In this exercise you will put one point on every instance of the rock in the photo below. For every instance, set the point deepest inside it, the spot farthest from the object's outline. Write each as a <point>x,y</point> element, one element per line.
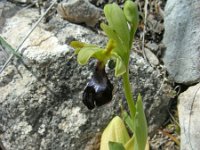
<point>153,60</point>
<point>154,25</point>
<point>41,106</point>
<point>152,46</point>
<point>3,56</point>
<point>189,109</point>
<point>67,32</point>
<point>2,19</point>
<point>7,10</point>
<point>182,35</point>
<point>79,11</point>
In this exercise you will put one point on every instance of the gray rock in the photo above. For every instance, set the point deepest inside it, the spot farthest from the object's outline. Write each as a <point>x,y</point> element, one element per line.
<point>153,60</point>
<point>152,46</point>
<point>79,11</point>
<point>2,19</point>
<point>189,109</point>
<point>182,35</point>
<point>3,56</point>
<point>40,103</point>
<point>7,10</point>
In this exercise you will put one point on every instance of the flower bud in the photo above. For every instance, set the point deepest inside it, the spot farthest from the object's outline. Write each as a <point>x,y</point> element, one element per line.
<point>99,88</point>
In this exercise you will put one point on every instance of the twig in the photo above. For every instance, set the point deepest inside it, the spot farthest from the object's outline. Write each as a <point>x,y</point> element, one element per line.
<point>173,118</point>
<point>171,137</point>
<point>144,29</point>
<point>36,24</point>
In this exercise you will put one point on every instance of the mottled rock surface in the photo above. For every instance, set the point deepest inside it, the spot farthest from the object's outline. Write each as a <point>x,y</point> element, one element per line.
<point>40,103</point>
<point>189,110</point>
<point>182,35</point>
<point>7,10</point>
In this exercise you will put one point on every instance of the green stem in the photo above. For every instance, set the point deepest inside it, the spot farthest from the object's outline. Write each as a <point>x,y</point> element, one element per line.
<point>126,82</point>
<point>128,93</point>
<point>132,33</point>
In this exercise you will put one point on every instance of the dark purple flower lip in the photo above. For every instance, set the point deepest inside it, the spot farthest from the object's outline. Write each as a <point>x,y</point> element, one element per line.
<point>98,90</point>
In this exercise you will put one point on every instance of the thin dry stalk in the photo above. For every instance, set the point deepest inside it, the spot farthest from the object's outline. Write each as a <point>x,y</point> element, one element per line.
<point>144,29</point>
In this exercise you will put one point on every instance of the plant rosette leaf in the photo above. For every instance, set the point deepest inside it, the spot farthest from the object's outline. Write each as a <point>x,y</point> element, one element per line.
<point>114,132</point>
<point>127,119</point>
<point>116,146</point>
<point>130,144</point>
<point>140,126</point>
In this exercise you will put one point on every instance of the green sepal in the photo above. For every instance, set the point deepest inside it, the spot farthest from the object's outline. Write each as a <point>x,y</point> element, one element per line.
<point>117,21</point>
<point>140,126</point>
<point>116,146</point>
<point>131,13</point>
<point>120,47</point>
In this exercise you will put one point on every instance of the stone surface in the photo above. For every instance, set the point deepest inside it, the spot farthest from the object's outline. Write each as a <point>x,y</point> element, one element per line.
<point>7,10</point>
<point>182,35</point>
<point>189,110</point>
<point>3,56</point>
<point>153,60</point>
<point>152,46</point>
<point>2,19</point>
<point>40,103</point>
<point>79,11</point>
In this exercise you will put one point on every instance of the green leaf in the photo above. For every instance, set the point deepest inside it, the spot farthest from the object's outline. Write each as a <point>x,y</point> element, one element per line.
<point>116,146</point>
<point>8,47</point>
<point>140,126</point>
<point>115,132</point>
<point>127,119</point>
<point>117,22</point>
<point>131,13</point>
<point>87,52</point>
